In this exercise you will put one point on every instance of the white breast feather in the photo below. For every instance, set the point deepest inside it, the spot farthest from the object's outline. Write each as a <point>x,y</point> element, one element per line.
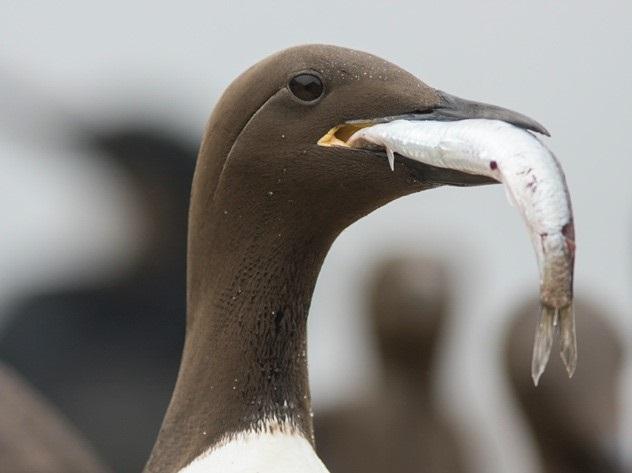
<point>270,451</point>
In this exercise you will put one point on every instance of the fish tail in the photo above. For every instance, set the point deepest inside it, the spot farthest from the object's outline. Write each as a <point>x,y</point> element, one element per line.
<point>543,341</point>
<point>568,340</point>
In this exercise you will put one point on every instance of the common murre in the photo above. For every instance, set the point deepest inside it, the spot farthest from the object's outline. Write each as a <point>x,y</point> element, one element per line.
<point>267,203</point>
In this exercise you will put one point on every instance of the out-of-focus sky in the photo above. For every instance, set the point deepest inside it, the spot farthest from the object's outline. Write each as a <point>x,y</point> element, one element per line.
<point>567,64</point>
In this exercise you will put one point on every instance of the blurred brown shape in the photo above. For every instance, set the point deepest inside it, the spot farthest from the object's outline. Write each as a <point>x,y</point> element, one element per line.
<point>106,352</point>
<point>574,422</point>
<point>34,437</point>
<point>398,427</point>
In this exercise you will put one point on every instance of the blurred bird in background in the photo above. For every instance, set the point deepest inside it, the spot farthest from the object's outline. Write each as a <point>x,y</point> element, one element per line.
<point>34,437</point>
<point>574,422</point>
<point>106,354</point>
<point>398,426</point>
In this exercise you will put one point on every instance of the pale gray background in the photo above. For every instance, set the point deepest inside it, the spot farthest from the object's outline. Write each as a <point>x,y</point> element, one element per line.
<point>566,64</point>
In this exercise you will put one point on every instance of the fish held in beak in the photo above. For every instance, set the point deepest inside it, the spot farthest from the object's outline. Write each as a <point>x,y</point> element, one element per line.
<point>535,184</point>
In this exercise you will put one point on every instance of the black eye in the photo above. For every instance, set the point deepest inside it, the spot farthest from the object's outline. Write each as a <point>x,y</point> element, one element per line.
<point>306,87</point>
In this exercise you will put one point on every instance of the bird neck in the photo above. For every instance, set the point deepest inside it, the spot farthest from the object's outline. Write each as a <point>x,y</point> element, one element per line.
<point>244,366</point>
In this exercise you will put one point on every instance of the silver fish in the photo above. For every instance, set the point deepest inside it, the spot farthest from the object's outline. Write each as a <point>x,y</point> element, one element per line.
<point>534,183</point>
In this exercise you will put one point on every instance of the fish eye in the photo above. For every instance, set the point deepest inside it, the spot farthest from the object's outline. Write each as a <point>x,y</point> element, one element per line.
<point>306,87</point>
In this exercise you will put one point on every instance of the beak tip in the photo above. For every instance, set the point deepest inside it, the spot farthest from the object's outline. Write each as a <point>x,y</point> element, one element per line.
<point>538,128</point>
<point>455,108</point>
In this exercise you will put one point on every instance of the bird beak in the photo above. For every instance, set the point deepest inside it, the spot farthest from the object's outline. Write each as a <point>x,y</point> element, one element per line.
<point>448,108</point>
<point>451,108</point>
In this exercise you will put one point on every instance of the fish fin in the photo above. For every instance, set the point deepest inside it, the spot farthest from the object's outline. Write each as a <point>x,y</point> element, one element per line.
<point>568,339</point>
<point>391,158</point>
<point>543,342</point>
